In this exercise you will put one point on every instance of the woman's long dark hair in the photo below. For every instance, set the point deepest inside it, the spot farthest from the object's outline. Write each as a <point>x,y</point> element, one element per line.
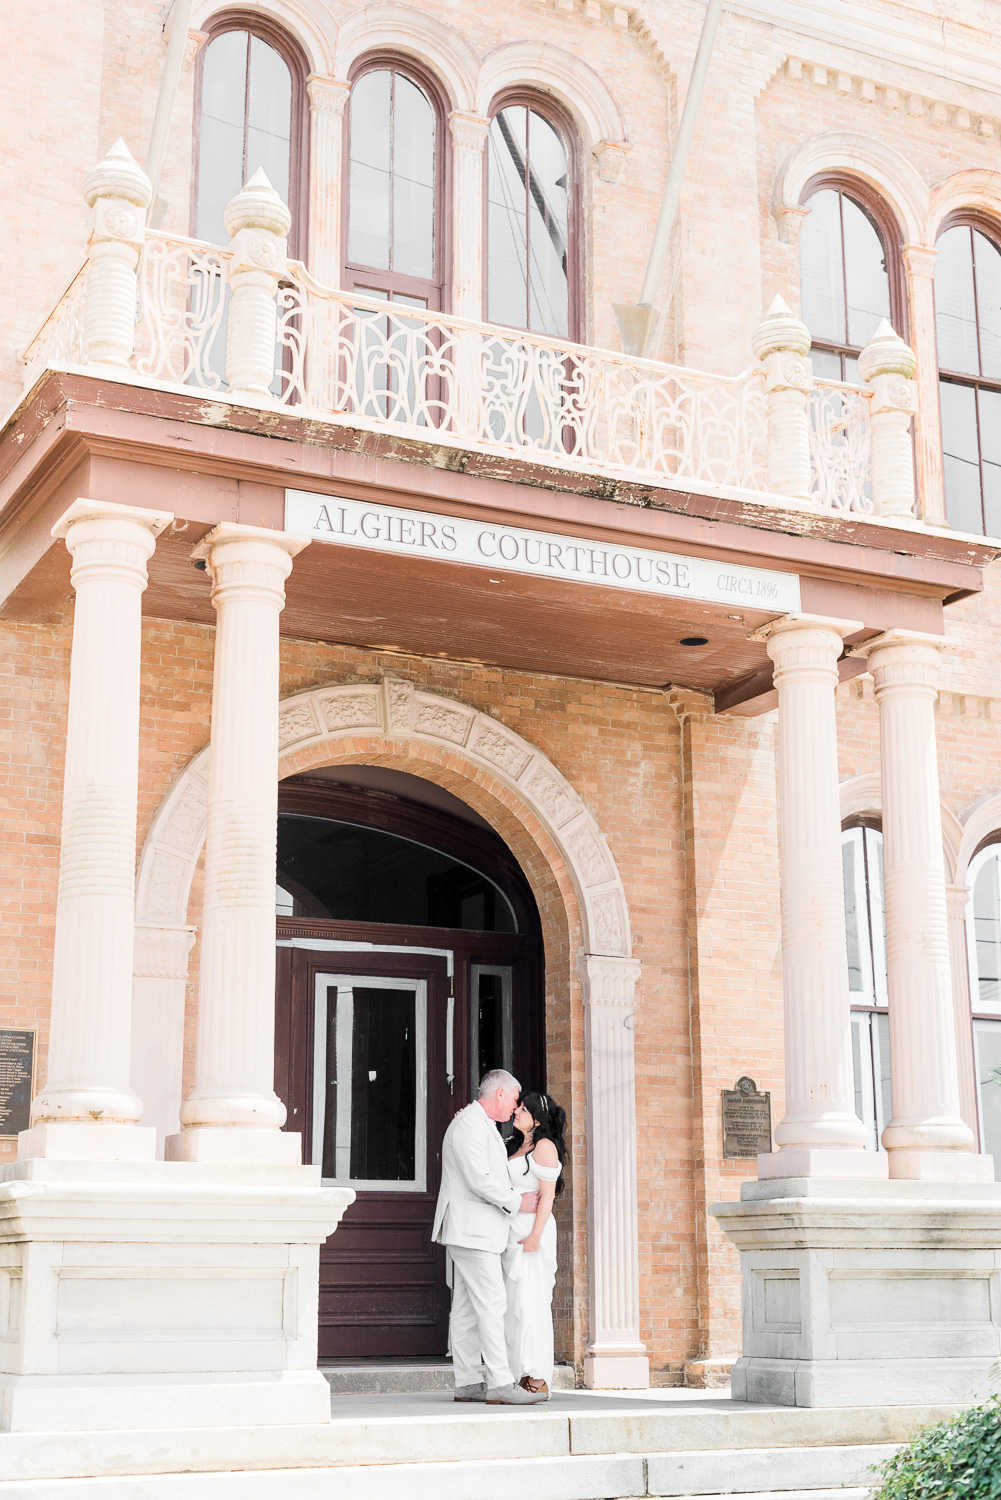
<point>550,1123</point>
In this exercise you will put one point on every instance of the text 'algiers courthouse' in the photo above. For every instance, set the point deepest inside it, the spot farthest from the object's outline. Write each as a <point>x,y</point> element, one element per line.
<point>573,535</point>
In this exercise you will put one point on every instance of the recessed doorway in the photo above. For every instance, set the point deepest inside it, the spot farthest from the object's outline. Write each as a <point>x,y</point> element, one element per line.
<point>409,962</point>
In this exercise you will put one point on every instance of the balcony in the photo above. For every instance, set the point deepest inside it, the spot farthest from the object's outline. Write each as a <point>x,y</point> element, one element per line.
<point>772,435</point>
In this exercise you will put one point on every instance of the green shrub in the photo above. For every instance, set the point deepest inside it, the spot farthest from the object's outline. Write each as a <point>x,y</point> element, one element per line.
<point>955,1460</point>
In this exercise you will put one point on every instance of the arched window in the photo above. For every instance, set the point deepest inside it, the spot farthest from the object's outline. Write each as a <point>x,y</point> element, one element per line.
<point>395,176</point>
<point>862,868</point>
<point>531,279</point>
<point>984,943</point>
<point>249,113</point>
<point>968,329</point>
<point>849,276</point>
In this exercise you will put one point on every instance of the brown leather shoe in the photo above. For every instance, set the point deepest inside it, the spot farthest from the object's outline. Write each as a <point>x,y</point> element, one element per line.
<point>537,1387</point>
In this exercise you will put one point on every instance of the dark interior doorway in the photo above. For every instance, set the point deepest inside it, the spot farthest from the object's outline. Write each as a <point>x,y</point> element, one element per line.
<point>409,961</point>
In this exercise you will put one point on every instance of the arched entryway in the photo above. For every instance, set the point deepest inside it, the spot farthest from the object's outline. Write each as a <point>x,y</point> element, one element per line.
<point>590,975</point>
<point>409,962</point>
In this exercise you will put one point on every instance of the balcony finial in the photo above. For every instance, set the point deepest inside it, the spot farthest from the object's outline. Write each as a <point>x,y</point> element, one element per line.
<point>887,365</point>
<point>258,222</point>
<point>782,343</point>
<point>118,191</point>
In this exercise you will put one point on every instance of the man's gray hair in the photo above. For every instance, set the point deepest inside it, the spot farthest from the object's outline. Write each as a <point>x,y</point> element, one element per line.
<point>497,1078</point>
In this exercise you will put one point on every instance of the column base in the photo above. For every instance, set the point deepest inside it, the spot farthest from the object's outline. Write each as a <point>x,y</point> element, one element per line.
<point>234,1144</point>
<point>866,1292</point>
<point>99,1403</point>
<point>161,1294</point>
<point>87,1140</point>
<point>623,1371</point>
<point>821,1161</point>
<point>918,1165</point>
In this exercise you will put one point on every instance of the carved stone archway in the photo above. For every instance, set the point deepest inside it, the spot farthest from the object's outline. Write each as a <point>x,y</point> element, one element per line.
<point>564,855</point>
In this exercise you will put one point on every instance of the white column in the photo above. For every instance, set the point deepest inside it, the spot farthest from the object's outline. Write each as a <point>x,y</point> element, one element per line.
<point>782,343</point>
<point>327,100</point>
<point>469,139</point>
<point>616,1357</point>
<point>159,988</point>
<point>258,222</point>
<point>233,1113</point>
<point>927,1137</point>
<point>87,1108</point>
<point>887,365</point>
<point>820,1135</point>
<point>119,192</point>
<point>919,263</point>
<point>957,899</point>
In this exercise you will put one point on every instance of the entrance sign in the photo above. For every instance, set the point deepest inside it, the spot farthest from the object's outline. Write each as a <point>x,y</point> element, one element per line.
<point>17,1058</point>
<point>544,554</point>
<point>747,1120</point>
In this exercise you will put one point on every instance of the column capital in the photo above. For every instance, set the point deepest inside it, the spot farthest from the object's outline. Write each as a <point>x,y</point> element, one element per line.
<point>904,659</point>
<point>919,260</point>
<point>248,559</point>
<point>805,643</point>
<point>109,541</point>
<point>610,981</point>
<point>127,516</point>
<point>469,132</point>
<point>327,96</point>
<point>787,625</point>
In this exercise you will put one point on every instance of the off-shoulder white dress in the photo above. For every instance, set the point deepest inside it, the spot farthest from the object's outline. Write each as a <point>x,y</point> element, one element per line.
<point>528,1326</point>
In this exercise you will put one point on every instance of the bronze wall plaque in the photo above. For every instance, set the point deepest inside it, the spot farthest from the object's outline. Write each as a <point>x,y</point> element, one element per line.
<point>17,1065</point>
<point>747,1120</point>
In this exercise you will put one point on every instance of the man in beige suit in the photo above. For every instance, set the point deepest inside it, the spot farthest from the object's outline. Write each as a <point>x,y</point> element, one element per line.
<point>476,1203</point>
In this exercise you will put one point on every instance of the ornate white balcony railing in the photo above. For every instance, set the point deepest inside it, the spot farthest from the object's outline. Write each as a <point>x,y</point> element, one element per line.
<point>245,321</point>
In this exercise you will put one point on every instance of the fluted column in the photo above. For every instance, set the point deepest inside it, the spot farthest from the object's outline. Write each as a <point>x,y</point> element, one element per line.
<point>887,365</point>
<point>328,98</point>
<point>782,343</point>
<point>469,139</point>
<point>919,263</point>
<point>927,1137</point>
<point>233,1113</point>
<point>616,1356</point>
<point>820,1135</point>
<point>957,899</point>
<point>87,1108</point>
<point>119,193</point>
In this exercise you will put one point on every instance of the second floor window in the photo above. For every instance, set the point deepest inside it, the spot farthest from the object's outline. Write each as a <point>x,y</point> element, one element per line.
<point>250,114</point>
<point>394,188</point>
<point>845,281</point>
<point>530,251</point>
<point>968,329</point>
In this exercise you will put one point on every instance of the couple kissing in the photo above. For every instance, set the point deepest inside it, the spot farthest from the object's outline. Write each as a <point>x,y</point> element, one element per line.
<point>495,1219</point>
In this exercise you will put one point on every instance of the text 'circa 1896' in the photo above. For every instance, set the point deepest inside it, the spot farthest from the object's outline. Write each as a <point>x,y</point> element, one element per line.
<point>514,549</point>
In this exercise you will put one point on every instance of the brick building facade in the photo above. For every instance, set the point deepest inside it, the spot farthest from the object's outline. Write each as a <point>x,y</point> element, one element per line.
<point>539,715</point>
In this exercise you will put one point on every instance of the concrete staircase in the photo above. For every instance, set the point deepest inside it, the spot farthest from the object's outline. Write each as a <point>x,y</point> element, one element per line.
<point>580,1446</point>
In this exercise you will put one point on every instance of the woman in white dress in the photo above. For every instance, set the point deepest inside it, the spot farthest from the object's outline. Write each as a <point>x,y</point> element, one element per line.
<point>536,1157</point>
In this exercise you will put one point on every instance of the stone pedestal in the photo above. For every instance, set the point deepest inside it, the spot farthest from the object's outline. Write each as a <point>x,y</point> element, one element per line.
<point>866,1292</point>
<point>160,1295</point>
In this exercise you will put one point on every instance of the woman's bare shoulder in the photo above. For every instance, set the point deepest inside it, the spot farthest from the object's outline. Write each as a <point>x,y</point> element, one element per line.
<point>545,1153</point>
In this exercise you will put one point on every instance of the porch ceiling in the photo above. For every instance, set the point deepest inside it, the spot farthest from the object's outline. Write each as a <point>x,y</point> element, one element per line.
<point>78,435</point>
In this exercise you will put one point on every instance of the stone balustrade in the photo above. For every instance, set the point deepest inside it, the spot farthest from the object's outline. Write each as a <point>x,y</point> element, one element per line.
<point>244,321</point>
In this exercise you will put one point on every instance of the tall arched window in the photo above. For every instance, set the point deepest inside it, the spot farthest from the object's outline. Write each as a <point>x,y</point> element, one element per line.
<point>395,175</point>
<point>984,943</point>
<point>862,868</point>
<point>531,279</point>
<point>249,113</point>
<point>968,329</point>
<point>849,276</point>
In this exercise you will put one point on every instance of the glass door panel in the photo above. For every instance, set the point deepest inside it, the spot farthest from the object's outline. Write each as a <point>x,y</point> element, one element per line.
<point>987,1051</point>
<point>369,1114</point>
<point>490,1019</point>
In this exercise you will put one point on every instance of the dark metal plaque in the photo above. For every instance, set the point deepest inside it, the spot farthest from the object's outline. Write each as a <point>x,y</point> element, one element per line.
<point>17,1064</point>
<point>747,1120</point>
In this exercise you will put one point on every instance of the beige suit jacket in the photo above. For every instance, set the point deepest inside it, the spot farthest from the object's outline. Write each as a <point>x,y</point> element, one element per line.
<point>476,1201</point>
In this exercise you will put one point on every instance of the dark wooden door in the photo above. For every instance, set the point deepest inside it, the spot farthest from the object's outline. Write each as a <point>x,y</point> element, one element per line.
<point>376,1049</point>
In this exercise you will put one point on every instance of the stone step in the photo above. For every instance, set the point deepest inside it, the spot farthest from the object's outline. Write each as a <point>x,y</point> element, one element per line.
<point>400,1377</point>
<point>763,1470</point>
